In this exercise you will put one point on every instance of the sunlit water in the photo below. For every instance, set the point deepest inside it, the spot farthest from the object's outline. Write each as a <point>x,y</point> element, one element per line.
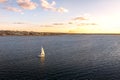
<point>72,57</point>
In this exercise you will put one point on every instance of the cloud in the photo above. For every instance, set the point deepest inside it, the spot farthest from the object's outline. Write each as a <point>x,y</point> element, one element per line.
<point>82,21</point>
<point>3,1</point>
<point>61,9</point>
<point>51,6</point>
<point>53,25</point>
<point>86,24</point>
<point>48,6</point>
<point>30,5</point>
<point>70,22</point>
<point>46,26</point>
<point>13,9</point>
<point>80,18</point>
<point>58,23</point>
<point>19,23</point>
<point>27,4</point>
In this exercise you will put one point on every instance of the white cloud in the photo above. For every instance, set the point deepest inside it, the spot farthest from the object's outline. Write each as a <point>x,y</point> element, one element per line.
<point>13,9</point>
<point>2,1</point>
<point>47,6</point>
<point>30,5</point>
<point>27,4</point>
<point>61,9</point>
<point>51,6</point>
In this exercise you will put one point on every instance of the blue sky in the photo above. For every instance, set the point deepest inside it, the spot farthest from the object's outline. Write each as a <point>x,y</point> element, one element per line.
<point>104,14</point>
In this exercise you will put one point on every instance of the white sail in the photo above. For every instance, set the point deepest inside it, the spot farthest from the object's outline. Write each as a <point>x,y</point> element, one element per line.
<point>42,52</point>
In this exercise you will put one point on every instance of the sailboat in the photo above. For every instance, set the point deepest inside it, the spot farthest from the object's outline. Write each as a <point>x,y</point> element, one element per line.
<point>42,54</point>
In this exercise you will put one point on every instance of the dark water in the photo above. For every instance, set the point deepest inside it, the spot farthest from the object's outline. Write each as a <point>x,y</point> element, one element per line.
<point>77,57</point>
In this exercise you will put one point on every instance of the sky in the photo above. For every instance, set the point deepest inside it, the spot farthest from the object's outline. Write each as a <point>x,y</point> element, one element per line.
<point>70,16</point>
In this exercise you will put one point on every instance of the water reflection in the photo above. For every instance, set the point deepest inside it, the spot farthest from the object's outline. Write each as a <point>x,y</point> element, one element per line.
<point>42,60</point>
<point>42,68</point>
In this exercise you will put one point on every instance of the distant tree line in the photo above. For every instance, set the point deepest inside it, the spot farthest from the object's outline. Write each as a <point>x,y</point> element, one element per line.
<point>27,33</point>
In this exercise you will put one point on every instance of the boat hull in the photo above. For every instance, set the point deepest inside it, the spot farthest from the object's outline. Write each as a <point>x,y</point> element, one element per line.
<point>41,55</point>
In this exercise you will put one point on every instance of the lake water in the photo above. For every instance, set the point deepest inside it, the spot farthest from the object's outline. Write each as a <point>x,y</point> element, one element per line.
<point>68,57</point>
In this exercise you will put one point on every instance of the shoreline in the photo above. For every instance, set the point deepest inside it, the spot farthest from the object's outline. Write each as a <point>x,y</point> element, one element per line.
<point>30,33</point>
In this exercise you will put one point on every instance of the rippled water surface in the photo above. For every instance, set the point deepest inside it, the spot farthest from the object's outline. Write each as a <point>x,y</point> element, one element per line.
<point>72,57</point>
